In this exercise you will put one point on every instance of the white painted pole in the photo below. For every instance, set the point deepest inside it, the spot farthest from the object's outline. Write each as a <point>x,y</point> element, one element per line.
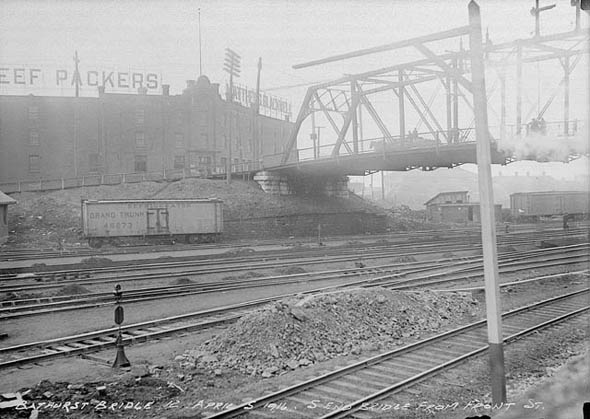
<point>488,230</point>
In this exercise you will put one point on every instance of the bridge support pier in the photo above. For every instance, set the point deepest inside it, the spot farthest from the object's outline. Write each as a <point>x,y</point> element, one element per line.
<point>288,184</point>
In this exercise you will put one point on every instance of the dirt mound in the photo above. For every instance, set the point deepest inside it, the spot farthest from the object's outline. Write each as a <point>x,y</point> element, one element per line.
<point>301,331</point>
<point>52,219</point>
<point>73,289</point>
<point>97,261</point>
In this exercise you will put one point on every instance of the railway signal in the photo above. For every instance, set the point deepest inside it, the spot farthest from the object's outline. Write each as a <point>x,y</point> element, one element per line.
<point>121,360</point>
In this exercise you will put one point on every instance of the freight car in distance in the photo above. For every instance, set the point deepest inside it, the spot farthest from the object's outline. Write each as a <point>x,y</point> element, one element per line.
<point>530,206</point>
<point>191,220</point>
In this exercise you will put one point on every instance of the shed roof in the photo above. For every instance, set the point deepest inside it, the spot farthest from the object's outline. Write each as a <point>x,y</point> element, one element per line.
<point>5,199</point>
<point>442,193</point>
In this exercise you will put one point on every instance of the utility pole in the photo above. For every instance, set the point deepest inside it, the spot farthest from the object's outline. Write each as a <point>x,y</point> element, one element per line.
<point>200,50</point>
<point>255,111</point>
<point>76,80</point>
<point>231,65</point>
<point>536,12</point>
<point>488,228</point>
<point>313,136</point>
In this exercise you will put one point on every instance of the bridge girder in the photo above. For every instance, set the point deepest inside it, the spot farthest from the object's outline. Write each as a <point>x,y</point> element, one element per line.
<point>347,96</point>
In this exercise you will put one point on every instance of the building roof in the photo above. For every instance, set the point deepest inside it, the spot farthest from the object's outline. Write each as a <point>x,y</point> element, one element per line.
<point>442,193</point>
<point>5,199</point>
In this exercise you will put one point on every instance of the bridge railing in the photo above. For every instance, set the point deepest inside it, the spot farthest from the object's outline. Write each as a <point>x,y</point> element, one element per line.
<point>412,140</point>
<point>570,128</point>
<point>425,139</point>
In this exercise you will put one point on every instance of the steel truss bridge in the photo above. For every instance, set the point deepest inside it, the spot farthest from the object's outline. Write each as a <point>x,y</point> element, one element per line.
<point>361,134</point>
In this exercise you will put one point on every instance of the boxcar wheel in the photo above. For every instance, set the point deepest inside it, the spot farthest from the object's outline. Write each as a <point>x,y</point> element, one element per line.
<point>192,239</point>
<point>95,243</point>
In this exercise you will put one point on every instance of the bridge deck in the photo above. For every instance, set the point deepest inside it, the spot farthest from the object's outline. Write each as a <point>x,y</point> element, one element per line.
<point>427,158</point>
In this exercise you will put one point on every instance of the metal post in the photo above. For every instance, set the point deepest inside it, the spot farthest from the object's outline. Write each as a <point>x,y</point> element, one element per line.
<point>402,111</point>
<point>77,80</point>
<point>200,51</point>
<point>382,186</point>
<point>449,108</point>
<point>536,13</point>
<point>355,128</point>
<point>256,140</point>
<point>518,88</point>
<point>455,99</point>
<point>121,360</point>
<point>488,231</point>
<point>578,2</point>
<point>314,136</point>
<point>566,94</point>
<point>502,105</point>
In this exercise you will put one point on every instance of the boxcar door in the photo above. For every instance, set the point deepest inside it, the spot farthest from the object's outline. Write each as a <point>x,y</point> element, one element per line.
<point>157,221</point>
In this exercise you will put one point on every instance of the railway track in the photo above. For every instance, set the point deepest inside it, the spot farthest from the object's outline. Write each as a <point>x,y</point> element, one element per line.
<point>390,275</point>
<point>351,391</point>
<point>442,237</point>
<point>123,272</point>
<point>89,342</point>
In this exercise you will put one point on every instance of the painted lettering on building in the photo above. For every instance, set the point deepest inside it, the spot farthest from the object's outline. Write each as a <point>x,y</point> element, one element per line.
<point>37,77</point>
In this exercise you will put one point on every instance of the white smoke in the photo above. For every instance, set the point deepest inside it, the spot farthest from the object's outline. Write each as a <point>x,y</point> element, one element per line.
<point>546,148</point>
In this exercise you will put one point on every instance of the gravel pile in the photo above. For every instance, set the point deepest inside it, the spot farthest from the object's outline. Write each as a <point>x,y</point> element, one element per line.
<point>301,331</point>
<point>52,219</point>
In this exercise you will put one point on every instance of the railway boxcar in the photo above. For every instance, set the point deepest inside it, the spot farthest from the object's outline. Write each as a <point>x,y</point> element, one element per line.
<point>191,219</point>
<point>546,204</point>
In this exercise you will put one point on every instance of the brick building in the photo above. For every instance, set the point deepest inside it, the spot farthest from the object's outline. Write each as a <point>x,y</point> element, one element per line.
<point>64,137</point>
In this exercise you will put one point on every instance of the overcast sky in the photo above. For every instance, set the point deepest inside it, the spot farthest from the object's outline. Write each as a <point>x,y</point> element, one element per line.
<point>162,36</point>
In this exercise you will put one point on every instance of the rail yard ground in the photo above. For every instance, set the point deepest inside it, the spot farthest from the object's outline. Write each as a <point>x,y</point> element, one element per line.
<point>378,293</point>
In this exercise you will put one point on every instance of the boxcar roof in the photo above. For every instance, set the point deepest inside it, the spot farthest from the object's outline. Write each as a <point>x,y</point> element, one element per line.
<point>549,193</point>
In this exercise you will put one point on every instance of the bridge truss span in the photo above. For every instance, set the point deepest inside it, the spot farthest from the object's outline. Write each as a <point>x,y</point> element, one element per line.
<point>424,107</point>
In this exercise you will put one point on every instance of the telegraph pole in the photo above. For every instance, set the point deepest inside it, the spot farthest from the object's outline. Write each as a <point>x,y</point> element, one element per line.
<point>231,65</point>
<point>488,230</point>
<point>536,12</point>
<point>200,50</point>
<point>76,79</point>
<point>255,111</point>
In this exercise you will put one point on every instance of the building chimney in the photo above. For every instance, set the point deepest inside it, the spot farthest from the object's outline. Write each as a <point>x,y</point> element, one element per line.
<point>142,90</point>
<point>166,89</point>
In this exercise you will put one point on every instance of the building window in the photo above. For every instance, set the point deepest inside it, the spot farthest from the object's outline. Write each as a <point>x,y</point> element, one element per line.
<point>179,162</point>
<point>140,163</point>
<point>179,140</point>
<point>34,138</point>
<point>205,160</point>
<point>93,162</point>
<point>139,116</point>
<point>33,113</point>
<point>34,163</point>
<point>139,139</point>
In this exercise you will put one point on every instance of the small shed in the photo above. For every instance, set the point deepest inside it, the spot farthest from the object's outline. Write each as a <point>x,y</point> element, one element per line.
<point>454,207</point>
<point>5,201</point>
